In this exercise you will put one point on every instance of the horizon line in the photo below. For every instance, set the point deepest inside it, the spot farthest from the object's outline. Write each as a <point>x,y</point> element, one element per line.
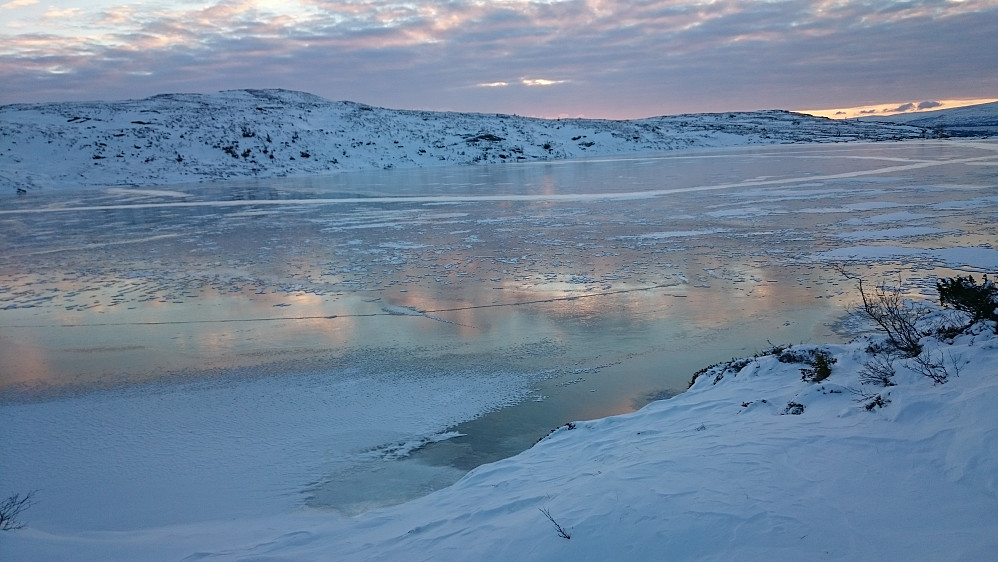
<point>885,109</point>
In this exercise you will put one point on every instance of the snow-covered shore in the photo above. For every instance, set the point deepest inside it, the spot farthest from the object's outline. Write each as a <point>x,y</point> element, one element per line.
<point>751,463</point>
<point>267,133</point>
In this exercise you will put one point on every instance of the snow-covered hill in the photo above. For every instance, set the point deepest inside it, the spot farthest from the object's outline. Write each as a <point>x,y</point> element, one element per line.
<point>266,133</point>
<point>972,120</point>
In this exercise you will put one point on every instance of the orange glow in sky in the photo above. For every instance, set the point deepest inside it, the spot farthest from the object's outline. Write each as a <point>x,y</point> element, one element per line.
<point>886,109</point>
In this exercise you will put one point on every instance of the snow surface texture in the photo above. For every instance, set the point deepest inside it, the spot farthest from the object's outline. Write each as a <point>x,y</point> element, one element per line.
<point>267,133</point>
<point>751,463</point>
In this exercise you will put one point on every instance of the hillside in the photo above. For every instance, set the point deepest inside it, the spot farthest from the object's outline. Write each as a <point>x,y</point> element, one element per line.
<point>972,120</point>
<point>266,133</point>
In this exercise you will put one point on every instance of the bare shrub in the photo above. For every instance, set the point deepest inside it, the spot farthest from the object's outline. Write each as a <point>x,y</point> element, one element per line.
<point>934,369</point>
<point>11,508</point>
<point>870,400</point>
<point>898,318</point>
<point>878,370</point>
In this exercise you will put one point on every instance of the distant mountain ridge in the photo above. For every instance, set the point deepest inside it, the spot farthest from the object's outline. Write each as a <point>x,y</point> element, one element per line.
<point>971,120</point>
<point>173,138</point>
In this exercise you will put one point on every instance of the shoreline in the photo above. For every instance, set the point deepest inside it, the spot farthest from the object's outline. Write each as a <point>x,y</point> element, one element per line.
<point>739,404</point>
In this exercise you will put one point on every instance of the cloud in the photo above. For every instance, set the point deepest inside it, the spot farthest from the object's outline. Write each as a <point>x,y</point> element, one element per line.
<point>18,4</point>
<point>56,14</point>
<point>609,59</point>
<point>541,82</point>
<point>928,105</point>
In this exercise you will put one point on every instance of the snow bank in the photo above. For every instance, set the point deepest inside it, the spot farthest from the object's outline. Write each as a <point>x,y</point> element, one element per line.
<point>751,463</point>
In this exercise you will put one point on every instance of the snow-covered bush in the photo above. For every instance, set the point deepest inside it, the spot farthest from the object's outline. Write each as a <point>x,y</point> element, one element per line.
<point>819,362</point>
<point>718,370</point>
<point>965,295</point>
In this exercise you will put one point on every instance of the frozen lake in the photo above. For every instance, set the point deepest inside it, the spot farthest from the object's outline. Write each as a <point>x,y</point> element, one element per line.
<point>355,340</point>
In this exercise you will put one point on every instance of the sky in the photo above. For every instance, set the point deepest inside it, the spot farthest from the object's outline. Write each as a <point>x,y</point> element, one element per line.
<point>543,58</point>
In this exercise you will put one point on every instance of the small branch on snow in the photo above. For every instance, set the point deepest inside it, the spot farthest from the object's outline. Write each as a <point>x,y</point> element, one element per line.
<point>561,530</point>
